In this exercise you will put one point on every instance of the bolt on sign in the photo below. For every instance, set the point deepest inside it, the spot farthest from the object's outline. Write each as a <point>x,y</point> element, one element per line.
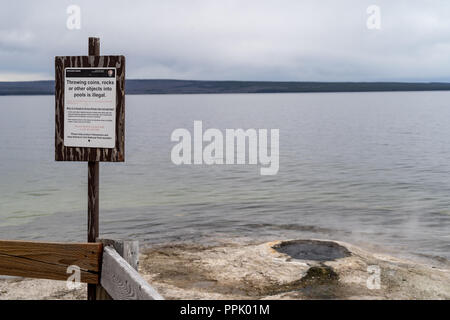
<point>90,108</point>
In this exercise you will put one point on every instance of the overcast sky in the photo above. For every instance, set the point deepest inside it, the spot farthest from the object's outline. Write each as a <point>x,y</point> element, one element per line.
<point>300,40</point>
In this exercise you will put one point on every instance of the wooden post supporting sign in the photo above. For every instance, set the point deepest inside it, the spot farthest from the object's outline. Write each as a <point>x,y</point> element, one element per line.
<point>93,185</point>
<point>90,119</point>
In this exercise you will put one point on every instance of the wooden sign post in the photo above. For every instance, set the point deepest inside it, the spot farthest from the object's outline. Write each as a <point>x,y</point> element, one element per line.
<point>90,119</point>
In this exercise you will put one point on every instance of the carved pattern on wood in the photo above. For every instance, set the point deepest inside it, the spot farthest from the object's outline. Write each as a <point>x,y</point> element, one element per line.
<point>121,281</point>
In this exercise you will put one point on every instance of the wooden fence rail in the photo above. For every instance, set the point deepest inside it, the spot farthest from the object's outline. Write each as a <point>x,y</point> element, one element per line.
<point>121,281</point>
<point>48,260</point>
<point>116,276</point>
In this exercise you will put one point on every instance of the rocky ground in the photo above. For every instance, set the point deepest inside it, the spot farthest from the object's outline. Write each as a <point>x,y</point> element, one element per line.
<point>298,269</point>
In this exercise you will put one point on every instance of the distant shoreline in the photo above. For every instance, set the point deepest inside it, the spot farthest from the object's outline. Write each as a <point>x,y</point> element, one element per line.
<point>134,86</point>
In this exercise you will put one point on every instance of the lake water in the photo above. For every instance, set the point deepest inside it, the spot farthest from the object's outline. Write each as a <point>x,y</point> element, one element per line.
<point>370,168</point>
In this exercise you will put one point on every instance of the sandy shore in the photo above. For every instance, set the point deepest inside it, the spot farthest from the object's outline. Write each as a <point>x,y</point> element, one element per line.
<point>306,269</point>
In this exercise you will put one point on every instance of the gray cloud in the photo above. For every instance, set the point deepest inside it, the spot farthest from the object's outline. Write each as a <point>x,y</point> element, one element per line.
<point>320,40</point>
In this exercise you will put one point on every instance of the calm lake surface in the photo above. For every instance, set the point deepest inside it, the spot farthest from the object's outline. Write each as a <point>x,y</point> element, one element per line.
<point>369,168</point>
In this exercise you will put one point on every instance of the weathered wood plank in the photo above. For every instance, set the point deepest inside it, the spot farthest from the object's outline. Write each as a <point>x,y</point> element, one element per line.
<point>121,281</point>
<point>128,250</point>
<point>47,260</point>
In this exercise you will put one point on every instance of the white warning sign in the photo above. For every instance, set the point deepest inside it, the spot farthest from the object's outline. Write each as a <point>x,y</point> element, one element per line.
<point>90,107</point>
